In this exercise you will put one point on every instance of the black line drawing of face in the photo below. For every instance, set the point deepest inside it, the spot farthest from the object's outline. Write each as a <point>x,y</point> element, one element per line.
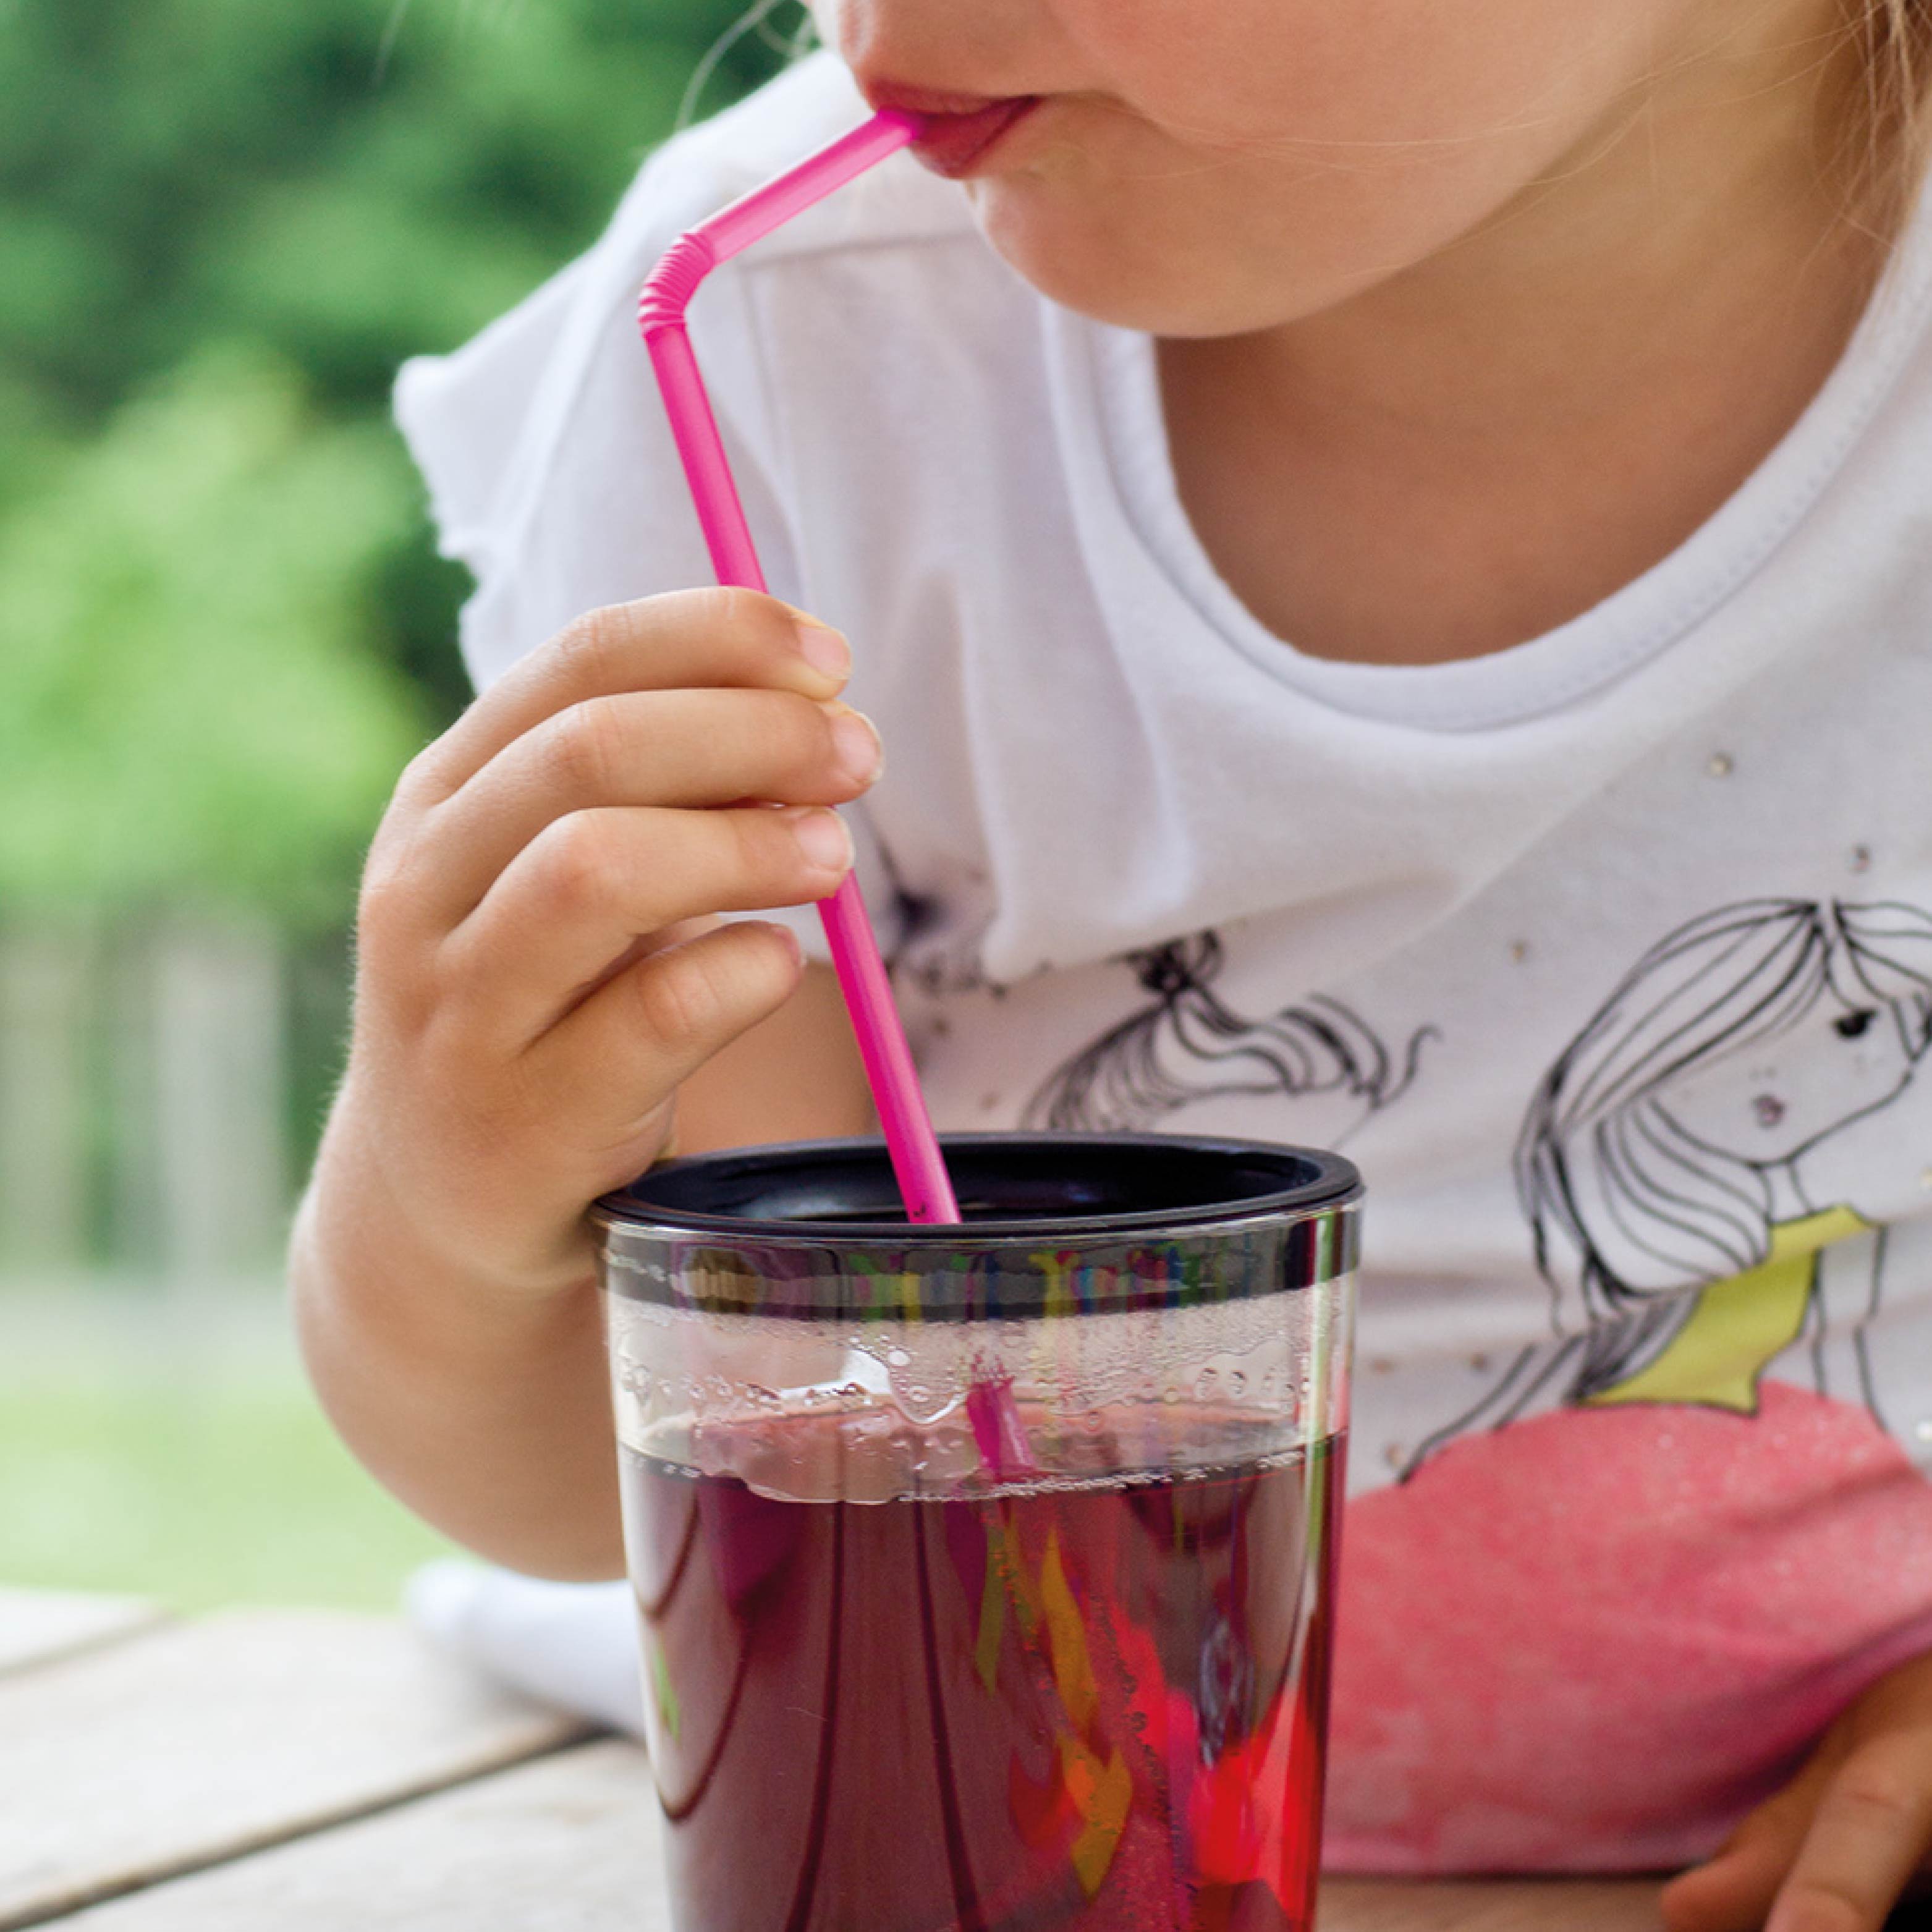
<point>1667,1141</point>
<point>1189,1046</point>
<point>1646,1164</point>
<point>1790,1103</point>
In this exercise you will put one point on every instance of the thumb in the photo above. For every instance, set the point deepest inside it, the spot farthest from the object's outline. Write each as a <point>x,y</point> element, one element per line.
<point>1732,1890</point>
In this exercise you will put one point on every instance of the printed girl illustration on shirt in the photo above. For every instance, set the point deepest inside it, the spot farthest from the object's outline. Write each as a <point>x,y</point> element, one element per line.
<point>1666,1162</point>
<point>1188,1044</point>
<point>1702,1168</point>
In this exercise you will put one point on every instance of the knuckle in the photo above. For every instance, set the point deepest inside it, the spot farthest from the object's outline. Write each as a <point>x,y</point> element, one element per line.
<point>684,998</point>
<point>388,890</point>
<point>378,916</point>
<point>1878,1793</point>
<point>582,748</point>
<point>575,860</point>
<point>592,642</point>
<point>423,778</point>
<point>748,615</point>
<point>381,883</point>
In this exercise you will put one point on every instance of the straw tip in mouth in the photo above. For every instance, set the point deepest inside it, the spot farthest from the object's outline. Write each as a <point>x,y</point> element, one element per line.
<point>955,141</point>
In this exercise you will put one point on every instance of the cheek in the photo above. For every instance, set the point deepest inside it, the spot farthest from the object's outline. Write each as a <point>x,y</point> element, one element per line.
<point>1362,74</point>
<point>1767,1105</point>
<point>1210,167</point>
<point>1248,162</point>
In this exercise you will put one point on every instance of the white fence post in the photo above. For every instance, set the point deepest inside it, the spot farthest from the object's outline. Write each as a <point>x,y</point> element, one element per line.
<point>45,990</point>
<point>219,1086</point>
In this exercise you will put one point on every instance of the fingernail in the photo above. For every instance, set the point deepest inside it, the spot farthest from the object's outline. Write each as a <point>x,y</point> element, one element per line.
<point>822,647</point>
<point>855,743</point>
<point>822,837</point>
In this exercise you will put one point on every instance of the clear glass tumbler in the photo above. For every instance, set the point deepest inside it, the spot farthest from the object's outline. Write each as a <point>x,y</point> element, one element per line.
<point>986,1571</point>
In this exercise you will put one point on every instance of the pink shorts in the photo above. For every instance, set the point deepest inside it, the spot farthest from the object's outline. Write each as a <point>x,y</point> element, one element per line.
<point>1593,1640</point>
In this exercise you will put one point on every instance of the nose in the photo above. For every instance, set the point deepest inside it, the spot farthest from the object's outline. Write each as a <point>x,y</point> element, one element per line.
<point>978,50</point>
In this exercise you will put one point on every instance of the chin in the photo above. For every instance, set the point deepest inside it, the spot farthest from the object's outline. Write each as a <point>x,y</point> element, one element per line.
<point>1128,272</point>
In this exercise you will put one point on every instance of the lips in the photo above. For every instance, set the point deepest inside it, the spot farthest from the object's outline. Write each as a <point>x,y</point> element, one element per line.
<point>961,129</point>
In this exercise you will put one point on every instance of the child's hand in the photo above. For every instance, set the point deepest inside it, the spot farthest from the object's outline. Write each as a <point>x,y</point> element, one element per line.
<point>532,987</point>
<point>1835,1850</point>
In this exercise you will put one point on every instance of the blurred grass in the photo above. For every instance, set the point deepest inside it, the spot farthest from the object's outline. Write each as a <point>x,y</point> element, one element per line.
<point>180,1457</point>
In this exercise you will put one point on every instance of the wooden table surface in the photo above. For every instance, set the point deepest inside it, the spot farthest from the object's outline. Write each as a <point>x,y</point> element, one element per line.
<point>311,1772</point>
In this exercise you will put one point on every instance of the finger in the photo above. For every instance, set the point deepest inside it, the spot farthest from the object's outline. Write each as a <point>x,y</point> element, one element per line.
<point>609,1066</point>
<point>1733,1890</point>
<point>1870,1831</point>
<point>732,638</point>
<point>575,899</point>
<point>683,748</point>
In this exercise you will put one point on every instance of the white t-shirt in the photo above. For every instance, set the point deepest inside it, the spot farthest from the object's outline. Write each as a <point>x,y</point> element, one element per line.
<point>1608,958</point>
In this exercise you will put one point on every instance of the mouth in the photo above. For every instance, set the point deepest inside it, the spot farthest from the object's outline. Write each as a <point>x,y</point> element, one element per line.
<point>960,130</point>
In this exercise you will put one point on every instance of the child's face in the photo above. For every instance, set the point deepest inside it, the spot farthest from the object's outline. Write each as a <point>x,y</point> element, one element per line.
<point>1207,167</point>
<point>1846,1059</point>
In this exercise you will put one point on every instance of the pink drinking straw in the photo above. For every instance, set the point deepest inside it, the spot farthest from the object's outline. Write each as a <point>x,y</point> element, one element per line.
<point>910,1140</point>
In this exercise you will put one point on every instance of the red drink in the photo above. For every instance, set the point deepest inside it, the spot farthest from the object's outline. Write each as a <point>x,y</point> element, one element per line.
<point>1096,1706</point>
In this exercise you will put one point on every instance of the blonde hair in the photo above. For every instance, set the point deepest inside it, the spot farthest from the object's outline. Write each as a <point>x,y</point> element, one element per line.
<point>1887,139</point>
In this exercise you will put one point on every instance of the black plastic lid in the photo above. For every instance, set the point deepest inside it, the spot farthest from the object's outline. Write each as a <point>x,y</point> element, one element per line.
<point>1011,1187</point>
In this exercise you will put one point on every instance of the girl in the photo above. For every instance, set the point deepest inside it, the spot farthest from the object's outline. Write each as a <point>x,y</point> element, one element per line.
<point>1357,519</point>
<point>1681,1221</point>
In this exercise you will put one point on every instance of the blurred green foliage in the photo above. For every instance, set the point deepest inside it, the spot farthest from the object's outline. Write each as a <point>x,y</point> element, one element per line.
<point>222,626</point>
<point>188,701</point>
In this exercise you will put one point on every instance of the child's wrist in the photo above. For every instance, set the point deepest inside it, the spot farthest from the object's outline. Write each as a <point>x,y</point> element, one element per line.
<point>375,1236</point>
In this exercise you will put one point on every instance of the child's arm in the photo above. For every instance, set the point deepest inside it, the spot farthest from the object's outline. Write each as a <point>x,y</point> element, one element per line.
<point>1835,1849</point>
<point>535,983</point>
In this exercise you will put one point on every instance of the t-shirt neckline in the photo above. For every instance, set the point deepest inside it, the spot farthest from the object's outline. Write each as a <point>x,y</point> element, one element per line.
<point>1591,651</point>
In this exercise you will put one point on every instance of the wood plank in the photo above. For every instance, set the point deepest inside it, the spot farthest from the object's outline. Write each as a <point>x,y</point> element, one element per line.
<point>36,1626</point>
<point>200,1741</point>
<point>1499,1905</point>
<point>568,1844</point>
